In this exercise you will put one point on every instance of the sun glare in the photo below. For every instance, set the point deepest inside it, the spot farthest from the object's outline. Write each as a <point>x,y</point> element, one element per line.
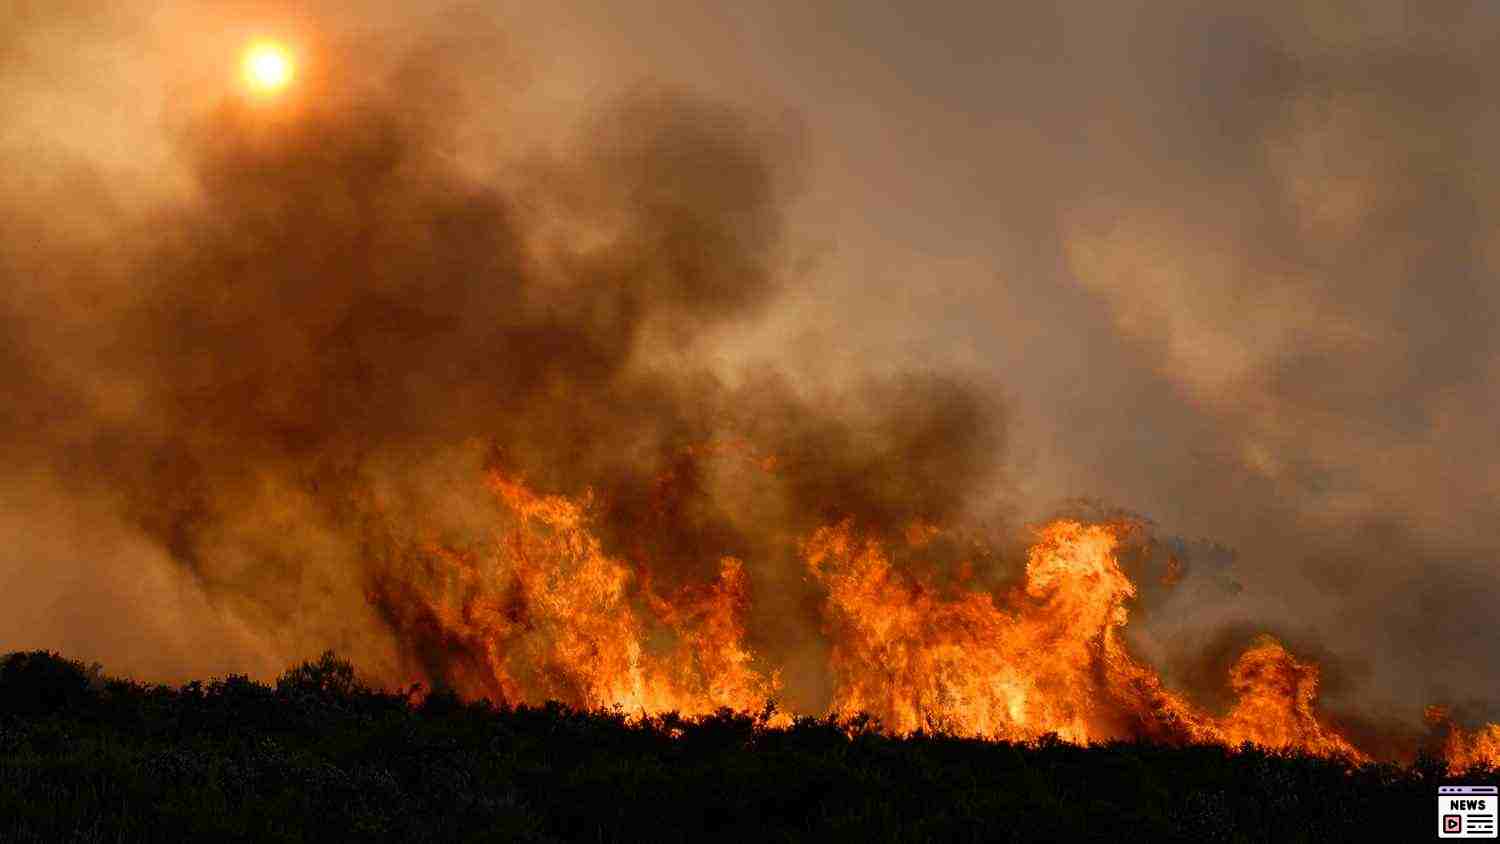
<point>268,67</point>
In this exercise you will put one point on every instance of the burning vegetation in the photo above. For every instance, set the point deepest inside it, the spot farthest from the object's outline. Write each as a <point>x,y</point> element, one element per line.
<point>544,613</point>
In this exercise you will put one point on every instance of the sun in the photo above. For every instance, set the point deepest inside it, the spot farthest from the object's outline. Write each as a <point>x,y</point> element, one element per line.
<point>268,67</point>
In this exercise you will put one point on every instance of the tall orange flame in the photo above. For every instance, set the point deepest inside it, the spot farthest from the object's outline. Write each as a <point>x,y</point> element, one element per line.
<point>1053,661</point>
<point>554,617</point>
<point>543,612</point>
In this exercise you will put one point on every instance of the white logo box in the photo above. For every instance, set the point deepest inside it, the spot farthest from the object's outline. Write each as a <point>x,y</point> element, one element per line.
<point>1467,811</point>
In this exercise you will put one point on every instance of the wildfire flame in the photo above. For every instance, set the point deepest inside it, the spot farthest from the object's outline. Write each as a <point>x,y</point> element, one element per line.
<point>556,618</point>
<point>1053,661</point>
<point>1465,749</point>
<point>549,615</point>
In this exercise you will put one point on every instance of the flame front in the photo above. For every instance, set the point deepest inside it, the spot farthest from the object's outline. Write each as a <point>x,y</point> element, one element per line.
<point>543,612</point>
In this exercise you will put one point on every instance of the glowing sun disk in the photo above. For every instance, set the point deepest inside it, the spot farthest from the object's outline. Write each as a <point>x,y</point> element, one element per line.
<point>268,67</point>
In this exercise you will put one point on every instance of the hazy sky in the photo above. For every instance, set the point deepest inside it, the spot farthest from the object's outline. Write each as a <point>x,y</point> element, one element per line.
<point>1233,269</point>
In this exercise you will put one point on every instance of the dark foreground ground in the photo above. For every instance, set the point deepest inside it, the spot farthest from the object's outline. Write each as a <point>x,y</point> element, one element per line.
<point>320,758</point>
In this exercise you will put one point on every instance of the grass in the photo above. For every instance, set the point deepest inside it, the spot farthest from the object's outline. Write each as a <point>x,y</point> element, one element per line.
<point>319,757</point>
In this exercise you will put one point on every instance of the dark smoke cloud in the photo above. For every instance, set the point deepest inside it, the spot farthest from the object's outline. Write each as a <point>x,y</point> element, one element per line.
<point>293,377</point>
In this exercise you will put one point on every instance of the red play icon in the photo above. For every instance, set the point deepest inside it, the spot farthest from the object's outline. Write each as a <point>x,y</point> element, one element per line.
<point>1453,823</point>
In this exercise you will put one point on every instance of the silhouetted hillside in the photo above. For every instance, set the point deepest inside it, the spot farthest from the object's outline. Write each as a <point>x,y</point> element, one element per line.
<point>319,756</point>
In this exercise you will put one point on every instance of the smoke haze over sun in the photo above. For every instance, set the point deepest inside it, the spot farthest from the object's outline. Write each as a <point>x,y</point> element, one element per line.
<point>850,355</point>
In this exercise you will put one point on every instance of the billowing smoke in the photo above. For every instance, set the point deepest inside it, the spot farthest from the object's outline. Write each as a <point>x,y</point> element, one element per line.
<point>295,377</point>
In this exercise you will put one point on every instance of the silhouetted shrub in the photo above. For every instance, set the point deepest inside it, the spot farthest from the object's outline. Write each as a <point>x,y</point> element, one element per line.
<point>41,682</point>
<point>329,676</point>
<point>441,702</point>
